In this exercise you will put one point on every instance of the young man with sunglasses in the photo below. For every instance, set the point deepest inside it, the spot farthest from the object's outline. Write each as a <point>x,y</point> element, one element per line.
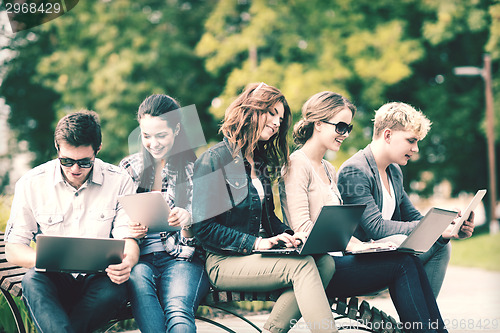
<point>373,177</point>
<point>73,195</point>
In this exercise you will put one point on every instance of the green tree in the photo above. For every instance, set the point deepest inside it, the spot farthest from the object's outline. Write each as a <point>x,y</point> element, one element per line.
<point>307,46</point>
<point>372,52</point>
<point>108,56</point>
<point>31,103</point>
<point>455,34</point>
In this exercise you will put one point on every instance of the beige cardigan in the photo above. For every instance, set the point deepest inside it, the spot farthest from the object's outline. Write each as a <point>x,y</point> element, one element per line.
<point>303,193</point>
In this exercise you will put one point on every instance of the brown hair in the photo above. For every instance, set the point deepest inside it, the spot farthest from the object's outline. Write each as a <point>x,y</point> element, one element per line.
<point>80,128</point>
<point>319,107</point>
<point>242,124</point>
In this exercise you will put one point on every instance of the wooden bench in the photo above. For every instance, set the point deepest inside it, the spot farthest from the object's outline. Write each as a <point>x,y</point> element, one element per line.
<point>373,319</point>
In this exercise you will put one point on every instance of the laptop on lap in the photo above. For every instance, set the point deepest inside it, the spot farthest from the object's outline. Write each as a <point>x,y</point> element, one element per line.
<point>331,232</point>
<point>425,234</point>
<point>77,254</point>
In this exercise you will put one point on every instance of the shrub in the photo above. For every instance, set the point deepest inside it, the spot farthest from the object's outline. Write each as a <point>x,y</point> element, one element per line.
<point>5,203</point>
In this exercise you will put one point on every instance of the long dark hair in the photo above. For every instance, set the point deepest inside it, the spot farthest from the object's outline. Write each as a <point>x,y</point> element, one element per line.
<point>159,106</point>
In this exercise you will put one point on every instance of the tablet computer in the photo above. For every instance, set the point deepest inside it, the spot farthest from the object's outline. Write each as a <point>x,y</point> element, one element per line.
<point>465,214</point>
<point>149,209</point>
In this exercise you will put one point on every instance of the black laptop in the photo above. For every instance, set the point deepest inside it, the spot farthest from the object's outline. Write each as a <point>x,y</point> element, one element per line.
<point>77,254</point>
<point>331,232</point>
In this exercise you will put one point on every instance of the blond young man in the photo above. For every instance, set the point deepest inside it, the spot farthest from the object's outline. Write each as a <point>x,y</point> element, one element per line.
<point>373,177</point>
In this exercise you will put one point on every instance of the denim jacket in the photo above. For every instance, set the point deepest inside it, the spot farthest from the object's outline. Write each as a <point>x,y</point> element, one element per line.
<point>227,211</point>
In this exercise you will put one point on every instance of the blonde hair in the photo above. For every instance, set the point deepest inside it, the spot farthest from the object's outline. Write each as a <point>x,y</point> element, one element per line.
<point>319,107</point>
<point>400,116</point>
<point>243,125</point>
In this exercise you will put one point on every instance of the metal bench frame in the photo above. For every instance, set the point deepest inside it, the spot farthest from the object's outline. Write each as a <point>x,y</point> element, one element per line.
<point>374,319</point>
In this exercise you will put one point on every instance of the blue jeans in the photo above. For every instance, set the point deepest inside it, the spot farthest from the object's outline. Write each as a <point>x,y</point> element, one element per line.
<point>57,302</point>
<point>435,260</point>
<point>406,278</point>
<point>435,264</point>
<point>165,292</point>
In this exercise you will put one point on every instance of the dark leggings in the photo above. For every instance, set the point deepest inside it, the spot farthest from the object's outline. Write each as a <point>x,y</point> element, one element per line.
<point>406,279</point>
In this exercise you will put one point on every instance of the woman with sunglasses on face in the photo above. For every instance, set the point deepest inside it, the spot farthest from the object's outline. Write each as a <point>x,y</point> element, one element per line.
<point>309,183</point>
<point>170,280</point>
<point>233,214</point>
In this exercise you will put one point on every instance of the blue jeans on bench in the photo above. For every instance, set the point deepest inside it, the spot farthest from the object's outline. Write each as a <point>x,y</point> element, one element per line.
<point>403,274</point>
<point>435,260</point>
<point>165,292</point>
<point>58,302</point>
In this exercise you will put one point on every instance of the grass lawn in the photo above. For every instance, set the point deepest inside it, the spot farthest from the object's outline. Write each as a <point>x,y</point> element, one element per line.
<point>482,251</point>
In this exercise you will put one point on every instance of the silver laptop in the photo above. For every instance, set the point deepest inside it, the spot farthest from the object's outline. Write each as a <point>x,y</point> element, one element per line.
<point>149,209</point>
<point>425,234</point>
<point>331,232</point>
<point>77,254</point>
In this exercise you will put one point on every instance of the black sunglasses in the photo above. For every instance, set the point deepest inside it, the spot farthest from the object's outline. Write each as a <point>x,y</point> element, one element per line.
<point>84,163</point>
<point>340,127</point>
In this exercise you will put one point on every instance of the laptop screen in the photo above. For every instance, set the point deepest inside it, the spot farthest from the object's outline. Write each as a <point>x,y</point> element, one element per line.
<point>77,254</point>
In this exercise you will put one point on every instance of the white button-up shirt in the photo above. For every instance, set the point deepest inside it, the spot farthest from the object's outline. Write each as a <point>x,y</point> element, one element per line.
<point>45,203</point>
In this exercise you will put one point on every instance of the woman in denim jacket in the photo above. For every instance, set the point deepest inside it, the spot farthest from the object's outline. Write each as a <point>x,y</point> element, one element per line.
<point>169,281</point>
<point>233,212</point>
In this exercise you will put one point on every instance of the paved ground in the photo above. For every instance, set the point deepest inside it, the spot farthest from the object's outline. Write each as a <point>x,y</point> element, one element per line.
<point>469,302</point>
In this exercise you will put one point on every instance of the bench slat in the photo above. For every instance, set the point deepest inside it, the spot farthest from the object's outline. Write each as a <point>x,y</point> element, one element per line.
<point>13,285</point>
<point>352,309</point>
<point>341,307</point>
<point>6,266</point>
<point>12,271</point>
<point>364,311</point>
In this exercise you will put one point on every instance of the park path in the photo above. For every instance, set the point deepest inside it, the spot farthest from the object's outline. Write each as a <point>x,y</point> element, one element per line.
<point>469,300</point>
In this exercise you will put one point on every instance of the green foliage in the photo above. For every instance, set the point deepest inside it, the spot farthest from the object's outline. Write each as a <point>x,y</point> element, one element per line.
<point>5,203</point>
<point>493,46</point>
<point>121,326</point>
<point>372,52</point>
<point>7,323</point>
<point>306,47</point>
<point>107,56</point>
<point>454,18</point>
<point>482,251</point>
<point>255,305</point>
<point>31,104</point>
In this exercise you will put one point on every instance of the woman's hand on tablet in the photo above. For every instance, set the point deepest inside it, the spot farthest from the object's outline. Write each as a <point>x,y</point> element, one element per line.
<point>137,230</point>
<point>179,217</point>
